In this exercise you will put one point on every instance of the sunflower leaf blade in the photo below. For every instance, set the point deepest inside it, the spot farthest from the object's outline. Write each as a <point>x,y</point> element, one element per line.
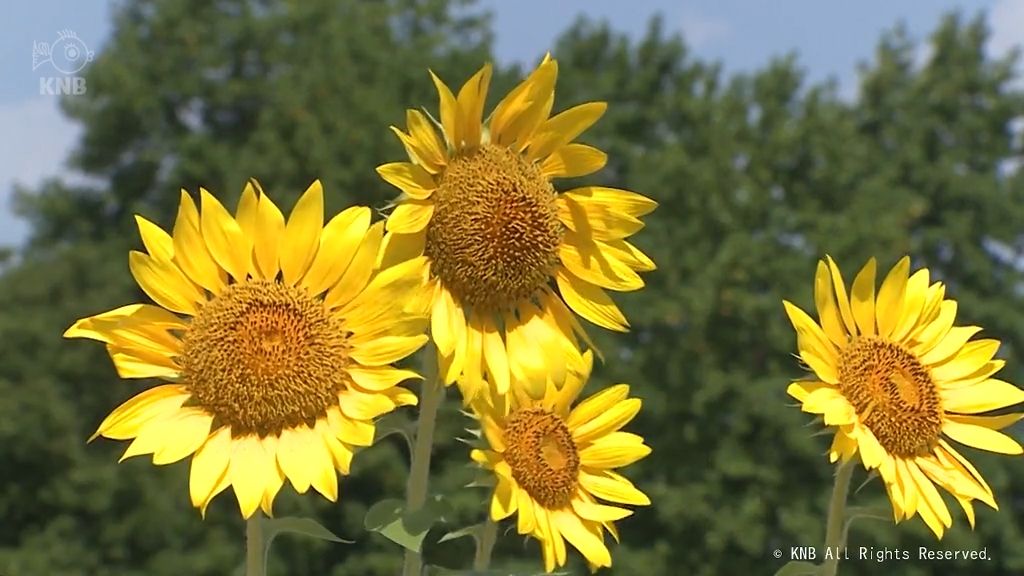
<point>390,519</point>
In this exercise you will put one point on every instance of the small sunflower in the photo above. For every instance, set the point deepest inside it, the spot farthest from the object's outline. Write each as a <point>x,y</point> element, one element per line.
<point>552,463</point>
<point>510,255</point>
<point>276,339</point>
<point>898,381</point>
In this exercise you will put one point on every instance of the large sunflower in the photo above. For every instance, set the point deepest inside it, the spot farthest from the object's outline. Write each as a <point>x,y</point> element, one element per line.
<point>276,338</point>
<point>509,255</point>
<point>898,381</point>
<point>552,463</point>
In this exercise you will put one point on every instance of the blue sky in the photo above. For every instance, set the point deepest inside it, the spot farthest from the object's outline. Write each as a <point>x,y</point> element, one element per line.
<point>830,37</point>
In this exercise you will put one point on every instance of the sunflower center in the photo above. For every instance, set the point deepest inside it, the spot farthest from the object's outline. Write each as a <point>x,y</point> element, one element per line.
<point>542,455</point>
<point>494,236</point>
<point>262,356</point>
<point>893,394</point>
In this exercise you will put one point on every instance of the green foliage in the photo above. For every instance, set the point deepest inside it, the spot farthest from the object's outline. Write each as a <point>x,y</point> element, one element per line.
<point>757,176</point>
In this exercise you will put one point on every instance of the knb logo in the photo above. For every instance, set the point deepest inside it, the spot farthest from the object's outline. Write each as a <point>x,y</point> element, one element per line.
<point>67,55</point>
<point>803,553</point>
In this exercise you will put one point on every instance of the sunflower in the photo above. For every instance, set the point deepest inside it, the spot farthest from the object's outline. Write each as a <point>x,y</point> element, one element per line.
<point>276,340</point>
<point>552,463</point>
<point>509,255</point>
<point>898,381</point>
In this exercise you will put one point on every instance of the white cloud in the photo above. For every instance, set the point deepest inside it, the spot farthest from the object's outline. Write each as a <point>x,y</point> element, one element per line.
<point>38,140</point>
<point>1006,18</point>
<point>700,30</point>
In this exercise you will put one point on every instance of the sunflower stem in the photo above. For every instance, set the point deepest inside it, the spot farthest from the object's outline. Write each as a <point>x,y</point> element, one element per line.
<point>485,545</point>
<point>431,397</point>
<point>835,535</point>
<point>254,557</point>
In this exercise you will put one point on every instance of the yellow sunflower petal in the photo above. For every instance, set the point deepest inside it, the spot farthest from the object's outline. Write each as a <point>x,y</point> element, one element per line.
<point>612,487</point>
<point>266,244</point>
<point>133,362</point>
<point>628,254</point>
<point>362,406</point>
<point>359,270</point>
<point>801,389</point>
<point>980,437</point>
<point>596,405</point>
<point>572,528</point>
<point>573,160</point>
<point>914,301</point>
<point>411,179</point>
<point>598,512</point>
<point>563,128</point>
<point>191,253</point>
<point>991,394</point>
<point>890,297</point>
<point>608,421</point>
<point>106,326</point>
<point>248,208</point>
<point>495,356</point>
<point>828,311</point>
<point>275,477</point>
<point>937,516</point>
<point>248,470</point>
<point>410,216</point>
<point>209,466</point>
<point>614,451</point>
<point>590,301</point>
<point>449,112</point>
<point>471,101</point>
<point>938,328</point>
<point>181,435</point>
<point>815,348</point>
<point>127,420</point>
<point>302,234</point>
<point>426,145</point>
<point>946,347</point>
<point>164,283</point>
<point>157,242</point>
<point>378,378</point>
<point>588,263</point>
<point>224,238</point>
<point>973,356</point>
<point>526,522</point>
<point>862,298</point>
<point>503,503</point>
<point>601,199</point>
<point>843,301</point>
<point>339,243</point>
<point>520,112</point>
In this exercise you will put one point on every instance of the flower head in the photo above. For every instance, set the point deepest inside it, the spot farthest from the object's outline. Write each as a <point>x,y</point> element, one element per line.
<point>898,381</point>
<point>553,463</point>
<point>276,339</point>
<point>512,257</point>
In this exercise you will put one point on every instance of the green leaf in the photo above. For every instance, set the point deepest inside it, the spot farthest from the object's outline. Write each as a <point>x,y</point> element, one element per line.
<point>407,529</point>
<point>473,531</point>
<point>798,568</point>
<point>273,527</point>
<point>395,423</point>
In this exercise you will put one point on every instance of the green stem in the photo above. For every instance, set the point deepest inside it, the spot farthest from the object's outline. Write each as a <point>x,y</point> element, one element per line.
<point>254,546</point>
<point>485,545</point>
<point>419,474</point>
<point>834,533</point>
